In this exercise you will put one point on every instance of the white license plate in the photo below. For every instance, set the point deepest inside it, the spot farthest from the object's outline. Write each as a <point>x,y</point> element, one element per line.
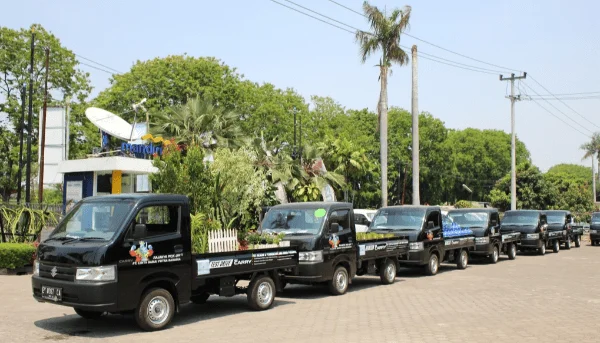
<point>52,293</point>
<point>533,236</point>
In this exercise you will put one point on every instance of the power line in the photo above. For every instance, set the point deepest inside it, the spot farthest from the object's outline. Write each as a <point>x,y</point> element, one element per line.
<point>554,115</point>
<point>306,14</point>
<point>567,98</point>
<point>322,15</point>
<point>569,107</point>
<point>571,93</point>
<point>435,45</point>
<point>456,66</point>
<point>100,64</point>
<point>97,68</point>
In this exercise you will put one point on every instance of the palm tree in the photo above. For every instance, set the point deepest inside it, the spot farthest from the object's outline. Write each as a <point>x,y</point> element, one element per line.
<point>592,148</point>
<point>385,37</point>
<point>200,122</point>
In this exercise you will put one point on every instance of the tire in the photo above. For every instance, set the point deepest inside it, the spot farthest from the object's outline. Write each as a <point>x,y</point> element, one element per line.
<point>88,314</point>
<point>494,255</point>
<point>156,309</point>
<point>463,259</point>
<point>339,282</point>
<point>577,241</point>
<point>200,298</point>
<point>261,293</point>
<point>387,272</point>
<point>433,265</point>
<point>542,250</point>
<point>568,243</point>
<point>512,251</point>
<point>556,246</point>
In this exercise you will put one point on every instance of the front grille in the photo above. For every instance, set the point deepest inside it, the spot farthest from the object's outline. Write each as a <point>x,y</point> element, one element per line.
<point>62,272</point>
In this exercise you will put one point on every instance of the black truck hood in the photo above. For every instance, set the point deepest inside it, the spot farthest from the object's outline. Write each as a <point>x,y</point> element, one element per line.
<point>556,227</point>
<point>302,243</point>
<point>80,254</point>
<point>518,228</point>
<point>480,232</point>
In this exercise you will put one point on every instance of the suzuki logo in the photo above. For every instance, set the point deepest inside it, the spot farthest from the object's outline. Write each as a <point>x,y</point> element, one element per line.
<point>53,272</point>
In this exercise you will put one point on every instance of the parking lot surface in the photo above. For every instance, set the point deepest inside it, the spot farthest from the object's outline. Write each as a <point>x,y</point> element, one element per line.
<point>530,299</point>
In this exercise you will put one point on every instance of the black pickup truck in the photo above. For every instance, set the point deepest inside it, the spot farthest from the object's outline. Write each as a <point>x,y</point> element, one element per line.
<point>132,253</point>
<point>485,224</point>
<point>595,229</point>
<point>533,226</point>
<point>329,250</point>
<point>561,220</point>
<point>428,245</point>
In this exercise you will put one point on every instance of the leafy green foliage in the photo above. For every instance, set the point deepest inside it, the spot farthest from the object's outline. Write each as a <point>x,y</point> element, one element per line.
<point>201,225</point>
<point>16,255</point>
<point>533,190</point>
<point>24,223</point>
<point>372,236</point>
<point>463,204</point>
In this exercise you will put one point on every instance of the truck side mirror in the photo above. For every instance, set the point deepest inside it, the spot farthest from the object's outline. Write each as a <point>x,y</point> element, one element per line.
<point>494,222</point>
<point>430,225</point>
<point>334,227</point>
<point>139,231</point>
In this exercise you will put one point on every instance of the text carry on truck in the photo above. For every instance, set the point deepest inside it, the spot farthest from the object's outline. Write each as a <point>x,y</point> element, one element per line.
<point>132,253</point>
<point>329,251</point>
<point>429,243</point>
<point>533,226</point>
<point>561,220</point>
<point>485,224</point>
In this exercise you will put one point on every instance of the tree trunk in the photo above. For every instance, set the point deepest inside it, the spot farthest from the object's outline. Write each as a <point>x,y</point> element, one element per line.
<point>383,134</point>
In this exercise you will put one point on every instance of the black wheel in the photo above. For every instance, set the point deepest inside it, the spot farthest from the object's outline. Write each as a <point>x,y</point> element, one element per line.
<point>512,251</point>
<point>200,298</point>
<point>577,241</point>
<point>463,259</point>
<point>568,243</point>
<point>542,250</point>
<point>88,314</point>
<point>433,265</point>
<point>339,282</point>
<point>593,243</point>
<point>556,246</point>
<point>156,309</point>
<point>261,293</point>
<point>494,255</point>
<point>387,272</point>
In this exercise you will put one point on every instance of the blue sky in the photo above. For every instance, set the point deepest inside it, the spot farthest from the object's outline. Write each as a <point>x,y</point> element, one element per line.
<point>556,42</point>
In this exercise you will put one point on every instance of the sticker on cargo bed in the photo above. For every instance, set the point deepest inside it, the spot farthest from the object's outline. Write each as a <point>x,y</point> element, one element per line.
<point>203,267</point>
<point>221,264</point>
<point>320,213</point>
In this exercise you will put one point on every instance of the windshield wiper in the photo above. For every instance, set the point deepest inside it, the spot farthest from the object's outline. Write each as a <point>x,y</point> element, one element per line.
<point>92,239</point>
<point>63,238</point>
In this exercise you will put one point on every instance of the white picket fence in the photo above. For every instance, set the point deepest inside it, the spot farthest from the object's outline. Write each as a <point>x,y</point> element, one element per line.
<point>222,240</point>
<point>226,240</point>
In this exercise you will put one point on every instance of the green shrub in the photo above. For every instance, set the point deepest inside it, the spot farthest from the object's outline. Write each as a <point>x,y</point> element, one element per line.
<point>463,204</point>
<point>16,255</point>
<point>371,236</point>
<point>201,225</point>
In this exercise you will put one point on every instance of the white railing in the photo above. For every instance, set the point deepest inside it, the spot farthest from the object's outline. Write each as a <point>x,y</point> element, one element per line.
<point>222,240</point>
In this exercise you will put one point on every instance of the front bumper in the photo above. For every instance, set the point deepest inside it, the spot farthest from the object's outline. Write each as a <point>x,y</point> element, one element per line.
<point>595,236</point>
<point>100,297</point>
<point>414,257</point>
<point>482,249</point>
<point>531,243</point>
<point>310,273</point>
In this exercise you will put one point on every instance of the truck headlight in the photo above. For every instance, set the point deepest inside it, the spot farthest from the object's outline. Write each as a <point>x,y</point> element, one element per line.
<point>107,273</point>
<point>415,246</point>
<point>36,268</point>
<point>482,240</point>
<point>311,256</point>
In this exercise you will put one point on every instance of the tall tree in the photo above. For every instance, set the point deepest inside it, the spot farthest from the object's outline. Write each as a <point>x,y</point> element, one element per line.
<point>386,36</point>
<point>592,148</point>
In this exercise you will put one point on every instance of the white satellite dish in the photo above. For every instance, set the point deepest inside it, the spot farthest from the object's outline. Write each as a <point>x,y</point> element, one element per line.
<point>111,124</point>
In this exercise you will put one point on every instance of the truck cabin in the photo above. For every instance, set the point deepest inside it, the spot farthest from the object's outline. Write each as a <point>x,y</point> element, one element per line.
<point>479,220</point>
<point>413,221</point>
<point>523,219</point>
<point>595,220</point>
<point>557,219</point>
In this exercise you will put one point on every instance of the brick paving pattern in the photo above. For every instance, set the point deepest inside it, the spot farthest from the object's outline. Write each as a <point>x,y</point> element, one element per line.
<point>531,299</point>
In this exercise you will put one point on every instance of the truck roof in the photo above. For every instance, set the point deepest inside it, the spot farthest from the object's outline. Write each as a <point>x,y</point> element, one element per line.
<point>313,204</point>
<point>426,207</point>
<point>487,209</point>
<point>138,197</point>
<point>558,212</point>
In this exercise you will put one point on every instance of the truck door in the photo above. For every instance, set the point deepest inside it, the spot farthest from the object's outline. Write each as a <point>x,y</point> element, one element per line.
<point>153,249</point>
<point>339,234</point>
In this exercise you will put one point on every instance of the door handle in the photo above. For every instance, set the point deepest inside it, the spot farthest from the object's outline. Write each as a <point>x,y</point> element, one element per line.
<point>178,248</point>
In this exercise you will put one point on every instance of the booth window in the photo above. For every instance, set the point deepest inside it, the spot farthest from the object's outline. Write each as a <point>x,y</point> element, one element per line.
<point>341,217</point>
<point>159,220</point>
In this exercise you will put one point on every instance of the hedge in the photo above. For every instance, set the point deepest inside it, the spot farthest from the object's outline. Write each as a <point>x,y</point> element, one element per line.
<point>16,255</point>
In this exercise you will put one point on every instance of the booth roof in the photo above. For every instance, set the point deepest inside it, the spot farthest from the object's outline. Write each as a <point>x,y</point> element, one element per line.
<point>124,164</point>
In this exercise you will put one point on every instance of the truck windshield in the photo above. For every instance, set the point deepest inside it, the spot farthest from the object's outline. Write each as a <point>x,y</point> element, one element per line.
<point>398,219</point>
<point>469,219</point>
<point>93,220</point>
<point>520,218</point>
<point>556,219</point>
<point>596,219</point>
<point>294,221</point>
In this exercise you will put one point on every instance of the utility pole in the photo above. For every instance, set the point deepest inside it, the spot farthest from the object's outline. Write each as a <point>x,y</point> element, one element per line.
<point>593,182</point>
<point>29,124</point>
<point>294,148</point>
<point>21,129</point>
<point>513,145</point>
<point>43,133</point>
<point>415,129</point>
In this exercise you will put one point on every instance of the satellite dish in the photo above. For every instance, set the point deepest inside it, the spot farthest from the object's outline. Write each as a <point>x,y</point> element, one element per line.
<point>111,124</point>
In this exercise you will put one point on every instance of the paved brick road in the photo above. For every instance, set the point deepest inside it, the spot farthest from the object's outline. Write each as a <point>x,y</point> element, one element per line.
<point>531,299</point>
